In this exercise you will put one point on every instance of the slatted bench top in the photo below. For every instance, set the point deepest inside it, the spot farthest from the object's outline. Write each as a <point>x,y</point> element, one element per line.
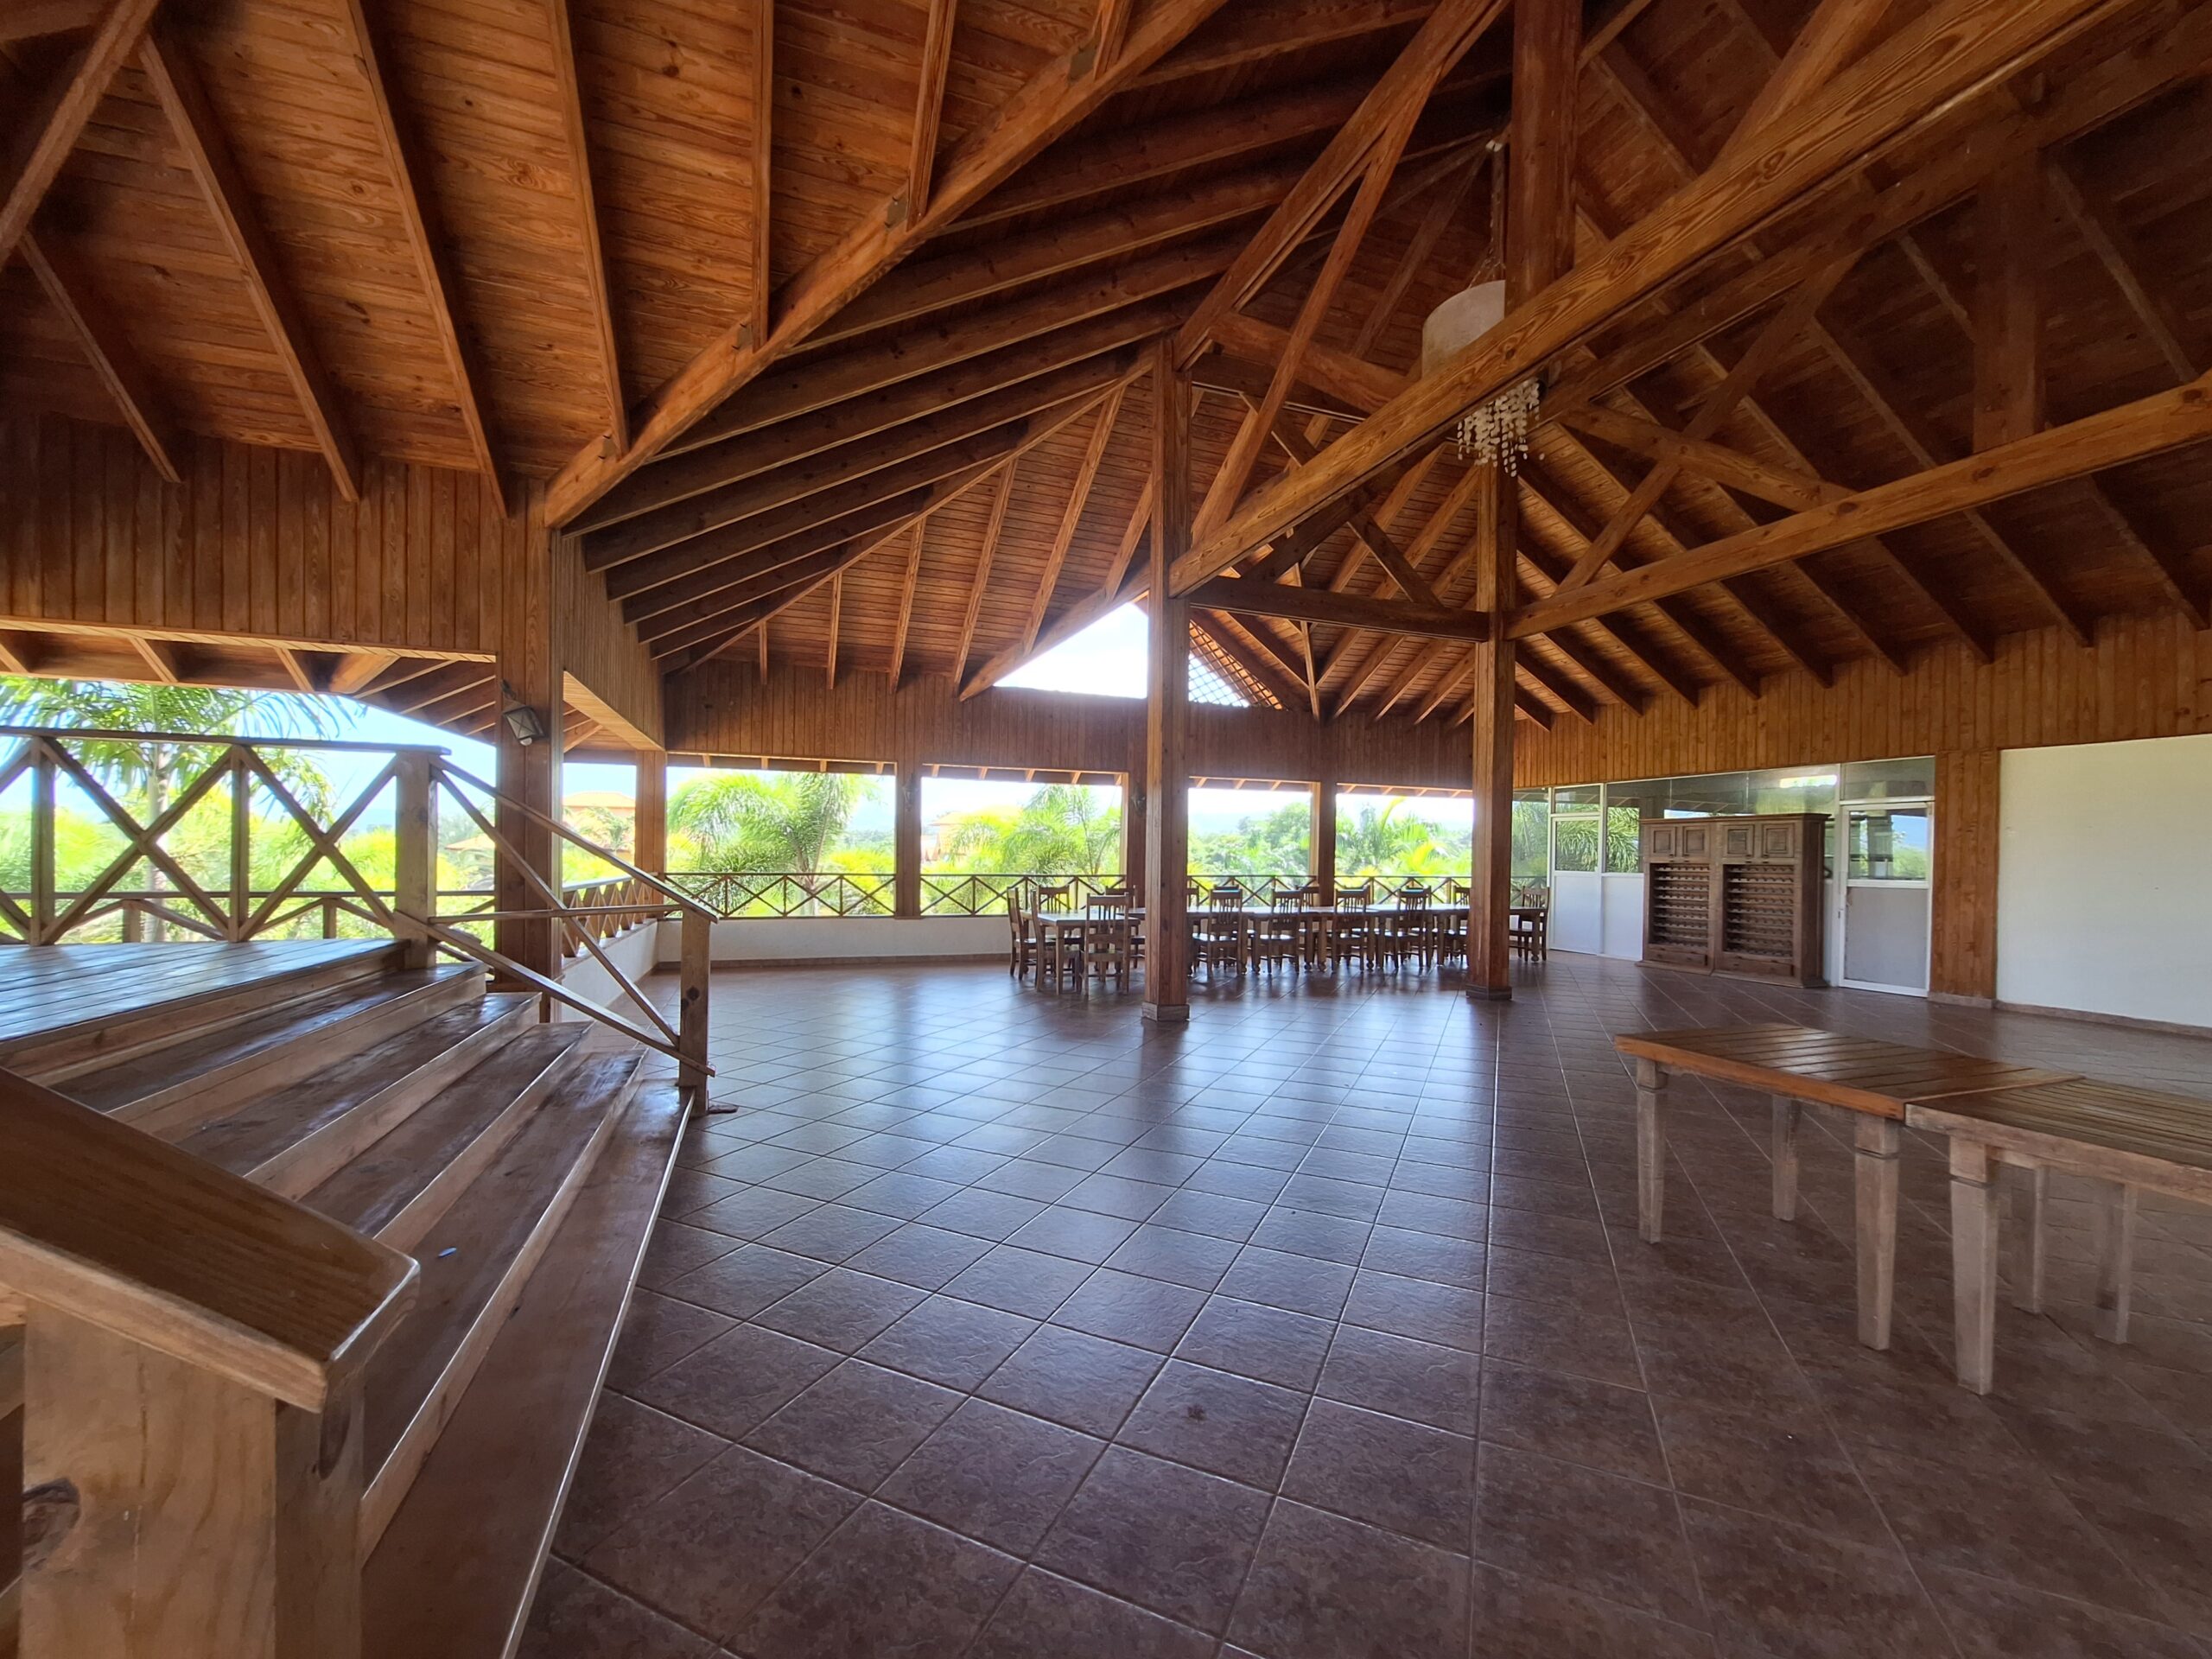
<point>1860,1074</point>
<point>2167,1139</point>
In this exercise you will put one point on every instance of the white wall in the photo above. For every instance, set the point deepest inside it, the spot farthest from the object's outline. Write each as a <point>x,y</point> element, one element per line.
<point>2104,879</point>
<point>633,952</point>
<point>814,938</point>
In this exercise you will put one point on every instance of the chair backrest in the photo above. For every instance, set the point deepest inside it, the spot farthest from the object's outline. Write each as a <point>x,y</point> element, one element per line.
<point>1357,893</point>
<point>1533,895</point>
<point>1052,892</point>
<point>1308,896</point>
<point>1014,913</point>
<point>1227,895</point>
<point>1415,895</point>
<point>1111,899</point>
<point>1455,891</point>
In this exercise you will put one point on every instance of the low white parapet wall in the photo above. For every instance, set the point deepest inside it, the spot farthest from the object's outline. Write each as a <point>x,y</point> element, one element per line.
<point>634,952</point>
<point>846,939</point>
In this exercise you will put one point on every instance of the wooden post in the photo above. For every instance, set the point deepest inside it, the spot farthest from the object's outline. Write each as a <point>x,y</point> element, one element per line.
<point>1322,859</point>
<point>694,974</point>
<point>194,1515</point>
<point>1877,1146</point>
<point>1135,805</point>
<point>649,834</point>
<point>415,880</point>
<point>43,860</point>
<point>907,840</point>
<point>2025,1192</point>
<point>1539,248</point>
<point>2013,233</point>
<point>1166,976</point>
<point>1651,1149</point>
<point>2116,1258</point>
<point>1974,1262</point>
<point>241,844</point>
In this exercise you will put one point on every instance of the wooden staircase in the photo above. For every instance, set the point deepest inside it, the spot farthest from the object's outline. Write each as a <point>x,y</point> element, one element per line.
<point>518,1164</point>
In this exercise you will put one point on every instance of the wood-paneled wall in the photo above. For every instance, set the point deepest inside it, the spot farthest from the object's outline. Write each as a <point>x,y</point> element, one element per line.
<point>726,708</point>
<point>256,542</point>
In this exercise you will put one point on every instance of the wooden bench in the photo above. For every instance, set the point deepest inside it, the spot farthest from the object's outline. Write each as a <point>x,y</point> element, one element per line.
<point>2121,1139</point>
<point>1795,1064</point>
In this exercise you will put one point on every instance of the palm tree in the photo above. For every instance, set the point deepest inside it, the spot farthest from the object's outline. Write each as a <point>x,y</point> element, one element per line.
<point>764,822</point>
<point>1380,842</point>
<point>1061,830</point>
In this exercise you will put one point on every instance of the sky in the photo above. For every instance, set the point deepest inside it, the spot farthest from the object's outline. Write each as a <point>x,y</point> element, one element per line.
<point>1107,659</point>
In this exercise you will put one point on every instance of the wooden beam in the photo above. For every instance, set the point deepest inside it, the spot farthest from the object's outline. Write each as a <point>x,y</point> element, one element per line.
<point>2169,569</point>
<point>678,477</point>
<point>1055,99</point>
<point>2149,426</point>
<point>1785,487</point>
<point>837,614</point>
<point>355,669</point>
<point>25,20</point>
<point>993,528</point>
<point>297,670</point>
<point>1338,610</point>
<point>426,236</point>
<point>2012,232</point>
<point>1837,32</point>
<point>51,119</point>
<point>1953,49</point>
<point>2100,226</point>
<point>1556,685</point>
<point>1355,384</point>
<point>1450,29</point>
<point>1166,752</point>
<point>761,173</point>
<point>109,352</point>
<point>164,658</point>
<point>906,601</point>
<point>21,653</point>
<point>1233,643</point>
<point>569,87</point>
<point>929,103</point>
<point>1101,432</point>
<point>834,469</point>
<point>1121,588</point>
<point>207,155</point>
<point>1399,564</point>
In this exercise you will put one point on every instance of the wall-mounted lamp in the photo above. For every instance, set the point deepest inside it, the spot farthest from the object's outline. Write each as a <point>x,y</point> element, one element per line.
<point>522,719</point>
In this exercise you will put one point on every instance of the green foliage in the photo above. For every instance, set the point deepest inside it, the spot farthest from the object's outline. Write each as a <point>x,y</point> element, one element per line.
<point>1061,830</point>
<point>1383,841</point>
<point>753,822</point>
<point>1269,843</point>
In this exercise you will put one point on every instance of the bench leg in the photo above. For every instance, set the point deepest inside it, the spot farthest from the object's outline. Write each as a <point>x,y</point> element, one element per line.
<point>2116,1258</point>
<point>1973,1263</point>
<point>2024,1190</point>
<point>1786,1114</point>
<point>1877,1181</point>
<point>1650,1148</point>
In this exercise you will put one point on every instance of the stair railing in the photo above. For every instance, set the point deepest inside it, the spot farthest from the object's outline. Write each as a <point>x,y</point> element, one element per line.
<point>192,1349</point>
<point>410,909</point>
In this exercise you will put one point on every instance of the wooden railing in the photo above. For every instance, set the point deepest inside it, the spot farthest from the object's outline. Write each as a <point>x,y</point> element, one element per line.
<point>265,813</point>
<point>741,894</point>
<point>192,1412</point>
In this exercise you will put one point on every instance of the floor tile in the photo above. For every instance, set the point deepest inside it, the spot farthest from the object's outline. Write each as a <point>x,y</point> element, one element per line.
<point>1423,1381</point>
<point>1168,1538</point>
<point>856,1425</point>
<point>632,1456</point>
<point>952,1343</point>
<point>1602,1534</point>
<point>1084,1382</point>
<point>1226,1425</point>
<point>575,1615</point>
<point>1392,1474</point>
<point>1046,1615</point>
<point>995,1475</point>
<point>1269,1343</point>
<point>737,1380</point>
<point>841,1310</point>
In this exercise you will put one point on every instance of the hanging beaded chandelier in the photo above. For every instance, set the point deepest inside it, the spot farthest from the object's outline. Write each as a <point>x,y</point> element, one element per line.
<point>1495,432</point>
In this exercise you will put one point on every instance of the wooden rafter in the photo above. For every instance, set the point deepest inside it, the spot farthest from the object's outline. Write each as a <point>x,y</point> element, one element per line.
<point>1219,630</point>
<point>109,352</point>
<point>754,326</point>
<point>24,20</point>
<point>1338,610</point>
<point>929,103</point>
<point>906,601</point>
<point>2171,573</point>
<point>207,155</point>
<point>1784,485</point>
<point>2148,426</point>
<point>427,238</point>
<point>993,528</point>
<point>2109,240</point>
<point>1055,98</point>
<point>561,30</point>
<point>837,615</point>
<point>1101,432</point>
<point>1836,32</point>
<point>53,117</point>
<point>164,658</point>
<point>1954,48</point>
<point>1122,587</point>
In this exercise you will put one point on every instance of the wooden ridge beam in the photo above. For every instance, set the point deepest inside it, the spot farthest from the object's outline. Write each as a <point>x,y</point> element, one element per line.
<point>678,477</point>
<point>207,155</point>
<point>802,387</point>
<point>51,119</point>
<point>1448,31</point>
<point>1055,99</point>
<point>426,236</point>
<point>560,31</point>
<point>2057,454</point>
<point>1338,610</point>
<point>106,345</point>
<point>730,504</point>
<point>929,105</point>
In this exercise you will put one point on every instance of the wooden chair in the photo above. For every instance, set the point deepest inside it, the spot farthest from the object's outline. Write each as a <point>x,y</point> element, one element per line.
<point>1217,931</point>
<point>1021,953</point>
<point>1353,934</point>
<point>1054,895</point>
<point>1111,899</point>
<point>1530,935</point>
<point>1409,934</point>
<point>1278,938</point>
<point>1108,947</point>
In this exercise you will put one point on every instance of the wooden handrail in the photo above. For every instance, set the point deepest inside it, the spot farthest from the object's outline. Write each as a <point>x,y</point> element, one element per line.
<point>219,740</point>
<point>133,1235</point>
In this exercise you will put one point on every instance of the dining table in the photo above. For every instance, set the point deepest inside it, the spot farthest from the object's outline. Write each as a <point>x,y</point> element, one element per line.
<point>1056,929</point>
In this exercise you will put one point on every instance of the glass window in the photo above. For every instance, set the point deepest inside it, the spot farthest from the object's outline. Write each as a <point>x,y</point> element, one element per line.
<point>1889,781</point>
<point>1532,816</point>
<point>1890,844</point>
<point>1582,795</point>
<point>1574,843</point>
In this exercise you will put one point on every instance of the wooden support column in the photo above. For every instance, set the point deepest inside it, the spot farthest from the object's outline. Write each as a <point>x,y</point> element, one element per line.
<point>1962,888</point>
<point>1539,249</point>
<point>1136,805</point>
<point>649,835</point>
<point>2013,232</point>
<point>1322,859</point>
<point>907,839</point>
<point>1168,772</point>
<point>530,674</point>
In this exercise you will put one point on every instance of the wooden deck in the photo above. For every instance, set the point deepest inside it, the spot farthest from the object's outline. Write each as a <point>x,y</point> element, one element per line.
<point>53,988</point>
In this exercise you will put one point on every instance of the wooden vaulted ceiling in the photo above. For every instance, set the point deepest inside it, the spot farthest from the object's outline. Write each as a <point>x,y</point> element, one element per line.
<point>826,323</point>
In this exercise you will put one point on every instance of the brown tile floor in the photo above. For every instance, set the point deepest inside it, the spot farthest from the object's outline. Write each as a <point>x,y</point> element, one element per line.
<point>997,1323</point>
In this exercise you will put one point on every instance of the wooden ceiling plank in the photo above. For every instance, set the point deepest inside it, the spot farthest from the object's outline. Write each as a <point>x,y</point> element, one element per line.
<point>1556,685</point>
<point>561,32</point>
<point>53,116</point>
<point>427,239</point>
<point>1449,30</point>
<point>2167,568</point>
<point>1952,49</point>
<point>1101,432</point>
<point>1399,563</point>
<point>993,527</point>
<point>25,20</point>
<point>2057,454</point>
<point>207,155</point>
<point>1121,588</point>
<point>2109,240</point>
<point>929,103</point>
<point>1252,33</point>
<point>906,601</point>
<point>119,365</point>
<point>1338,610</point>
<point>1055,99</point>
<point>730,504</point>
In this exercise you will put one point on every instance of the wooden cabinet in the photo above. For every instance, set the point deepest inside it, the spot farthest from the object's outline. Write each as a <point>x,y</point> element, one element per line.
<point>1737,895</point>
